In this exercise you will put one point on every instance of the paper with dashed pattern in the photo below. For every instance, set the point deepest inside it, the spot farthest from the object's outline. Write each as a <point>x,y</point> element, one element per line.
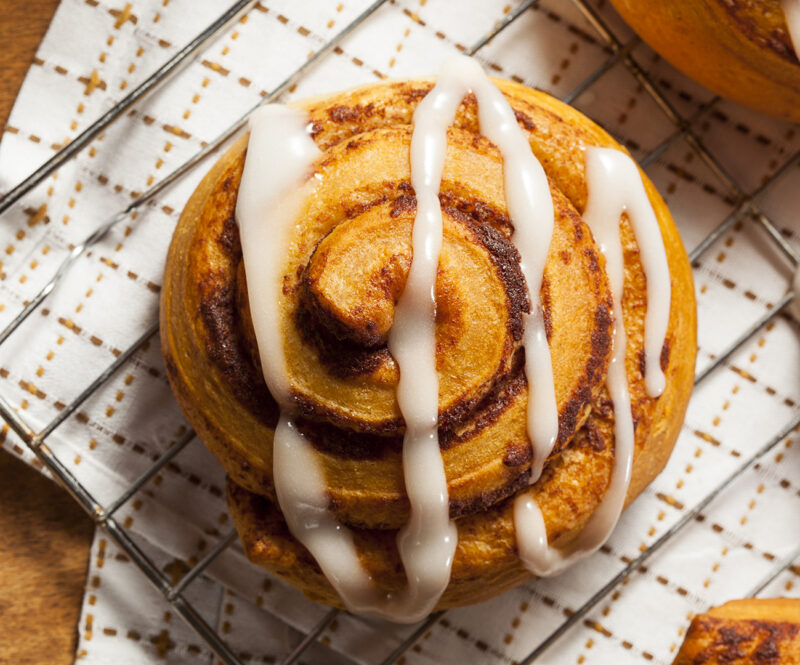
<point>97,50</point>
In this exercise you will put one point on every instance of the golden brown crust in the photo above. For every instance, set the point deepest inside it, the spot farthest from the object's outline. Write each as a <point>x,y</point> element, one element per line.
<point>763,23</point>
<point>753,631</point>
<point>740,49</point>
<point>336,329</point>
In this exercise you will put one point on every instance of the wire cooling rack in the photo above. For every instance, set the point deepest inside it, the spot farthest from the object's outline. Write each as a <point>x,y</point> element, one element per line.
<point>745,207</point>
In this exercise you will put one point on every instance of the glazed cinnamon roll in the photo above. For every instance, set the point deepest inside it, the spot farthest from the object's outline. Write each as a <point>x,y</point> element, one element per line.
<point>744,50</point>
<point>396,445</point>
<point>753,631</point>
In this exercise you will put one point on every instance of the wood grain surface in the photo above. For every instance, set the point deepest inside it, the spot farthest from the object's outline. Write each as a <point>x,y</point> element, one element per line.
<point>44,535</point>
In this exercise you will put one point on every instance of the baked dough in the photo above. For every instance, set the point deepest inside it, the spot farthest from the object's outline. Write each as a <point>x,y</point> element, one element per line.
<point>346,264</point>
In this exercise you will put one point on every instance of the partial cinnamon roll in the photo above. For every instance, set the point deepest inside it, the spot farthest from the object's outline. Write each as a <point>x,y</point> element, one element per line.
<point>743,50</point>
<point>752,631</point>
<point>344,263</point>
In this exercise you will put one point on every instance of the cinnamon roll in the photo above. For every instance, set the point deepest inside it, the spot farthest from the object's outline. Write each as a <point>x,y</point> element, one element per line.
<point>743,50</point>
<point>399,320</point>
<point>753,631</point>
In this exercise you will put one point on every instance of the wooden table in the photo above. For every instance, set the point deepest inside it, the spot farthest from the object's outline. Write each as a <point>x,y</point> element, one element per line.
<point>44,535</point>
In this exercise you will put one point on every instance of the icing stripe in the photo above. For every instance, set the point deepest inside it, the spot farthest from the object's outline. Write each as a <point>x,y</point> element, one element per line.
<point>615,187</point>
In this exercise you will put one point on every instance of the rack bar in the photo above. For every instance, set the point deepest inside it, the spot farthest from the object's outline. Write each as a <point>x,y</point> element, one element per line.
<point>192,617</point>
<point>201,565</point>
<point>412,639</point>
<point>507,20</point>
<point>781,305</point>
<point>186,610</point>
<point>20,427</point>
<point>101,379</point>
<point>746,204</point>
<point>151,82</point>
<point>785,563</point>
<point>87,501</point>
<point>311,637</point>
<point>777,237</point>
<point>595,76</point>
<point>96,236</point>
<point>240,124</point>
<point>152,470</point>
<point>680,133</point>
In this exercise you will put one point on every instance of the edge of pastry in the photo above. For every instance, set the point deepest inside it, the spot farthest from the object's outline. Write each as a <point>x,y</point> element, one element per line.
<point>752,631</point>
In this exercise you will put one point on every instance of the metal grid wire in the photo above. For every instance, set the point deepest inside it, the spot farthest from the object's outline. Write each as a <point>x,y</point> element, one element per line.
<point>746,205</point>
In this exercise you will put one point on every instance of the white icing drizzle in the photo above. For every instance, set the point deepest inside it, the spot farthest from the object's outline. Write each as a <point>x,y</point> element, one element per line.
<point>428,542</point>
<point>280,155</point>
<point>274,184</point>
<point>791,11</point>
<point>615,186</point>
<point>530,207</point>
